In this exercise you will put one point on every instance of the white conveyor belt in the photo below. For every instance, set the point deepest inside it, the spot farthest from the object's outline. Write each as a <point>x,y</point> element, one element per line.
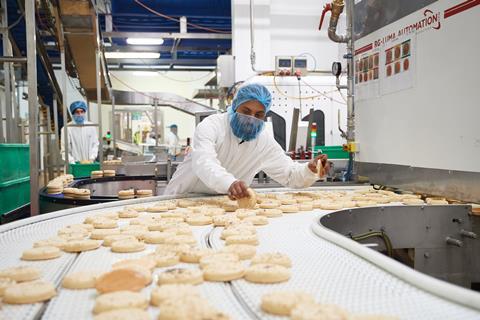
<point>331,273</point>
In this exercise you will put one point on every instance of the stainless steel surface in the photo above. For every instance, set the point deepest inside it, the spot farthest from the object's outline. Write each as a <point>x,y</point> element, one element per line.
<point>64,105</point>
<point>454,242</point>
<point>32,103</point>
<point>111,188</point>
<point>431,231</point>
<point>7,75</point>
<point>57,156</point>
<point>458,185</point>
<point>294,130</point>
<point>99,101</point>
<point>166,35</point>
<point>114,133</point>
<point>155,119</point>
<point>468,234</point>
<point>164,99</point>
<point>13,59</point>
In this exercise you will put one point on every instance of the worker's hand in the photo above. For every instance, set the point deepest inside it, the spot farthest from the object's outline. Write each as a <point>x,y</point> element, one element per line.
<point>312,165</point>
<point>237,190</point>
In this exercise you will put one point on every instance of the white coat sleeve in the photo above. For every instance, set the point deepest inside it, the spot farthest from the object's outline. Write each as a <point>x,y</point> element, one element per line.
<point>71,159</point>
<point>93,152</point>
<point>205,164</point>
<point>284,170</point>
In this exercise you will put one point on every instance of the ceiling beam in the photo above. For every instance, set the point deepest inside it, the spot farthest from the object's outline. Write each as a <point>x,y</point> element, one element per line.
<point>166,35</point>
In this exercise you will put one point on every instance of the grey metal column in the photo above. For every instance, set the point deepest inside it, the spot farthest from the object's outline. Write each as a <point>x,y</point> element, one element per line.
<point>9,124</point>
<point>32,103</point>
<point>57,139</point>
<point>16,105</point>
<point>99,105</point>
<point>114,135</point>
<point>155,118</point>
<point>2,138</point>
<point>65,111</point>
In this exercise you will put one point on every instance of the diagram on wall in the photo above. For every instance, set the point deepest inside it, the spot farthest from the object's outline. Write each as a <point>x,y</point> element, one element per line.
<point>399,66</point>
<point>367,74</point>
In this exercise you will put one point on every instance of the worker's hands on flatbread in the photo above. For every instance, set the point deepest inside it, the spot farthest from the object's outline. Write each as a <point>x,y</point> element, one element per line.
<point>324,168</point>
<point>237,190</point>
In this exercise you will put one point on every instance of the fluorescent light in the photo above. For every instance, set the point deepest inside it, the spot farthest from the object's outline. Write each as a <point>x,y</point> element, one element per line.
<point>145,41</point>
<point>132,55</point>
<point>145,66</point>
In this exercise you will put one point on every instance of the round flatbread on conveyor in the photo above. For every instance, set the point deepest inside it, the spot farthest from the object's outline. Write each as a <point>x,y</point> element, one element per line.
<point>273,258</point>
<point>101,234</point>
<point>244,251</point>
<point>250,239</point>
<point>4,284</point>
<point>126,246</point>
<point>120,300</point>
<point>41,253</point>
<point>194,255</point>
<point>29,292</point>
<point>130,279</point>
<point>267,273</point>
<point>81,245</point>
<point>248,202</point>
<point>282,302</point>
<point>215,258</point>
<point>172,291</point>
<point>21,273</point>
<point>223,271</point>
<point>181,276</point>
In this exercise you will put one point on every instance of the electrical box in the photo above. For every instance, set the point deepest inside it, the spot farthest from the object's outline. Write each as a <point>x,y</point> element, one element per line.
<point>225,71</point>
<point>283,66</point>
<point>300,66</point>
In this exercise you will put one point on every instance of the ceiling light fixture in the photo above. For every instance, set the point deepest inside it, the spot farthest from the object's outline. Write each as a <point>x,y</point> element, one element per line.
<point>145,41</point>
<point>132,55</point>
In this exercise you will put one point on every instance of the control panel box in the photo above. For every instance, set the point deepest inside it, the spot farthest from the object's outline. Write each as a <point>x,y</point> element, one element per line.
<point>283,66</point>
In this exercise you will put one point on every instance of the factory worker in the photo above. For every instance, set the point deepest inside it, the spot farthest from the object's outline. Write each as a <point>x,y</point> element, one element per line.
<point>172,141</point>
<point>230,148</point>
<point>82,140</point>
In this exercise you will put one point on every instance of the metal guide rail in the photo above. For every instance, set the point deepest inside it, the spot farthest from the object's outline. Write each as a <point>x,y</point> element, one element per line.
<point>320,267</point>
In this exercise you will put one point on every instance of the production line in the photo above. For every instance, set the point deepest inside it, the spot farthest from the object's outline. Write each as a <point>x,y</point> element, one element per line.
<point>353,277</point>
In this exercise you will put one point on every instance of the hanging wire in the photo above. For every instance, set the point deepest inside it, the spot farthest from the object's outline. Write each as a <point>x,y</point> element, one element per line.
<point>178,20</point>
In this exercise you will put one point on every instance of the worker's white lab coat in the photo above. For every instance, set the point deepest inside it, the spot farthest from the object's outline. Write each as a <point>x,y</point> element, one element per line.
<point>82,143</point>
<point>172,141</point>
<point>218,159</point>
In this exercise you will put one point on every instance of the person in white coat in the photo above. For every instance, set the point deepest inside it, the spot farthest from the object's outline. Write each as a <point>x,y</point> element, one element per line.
<point>230,148</point>
<point>172,141</point>
<point>82,140</point>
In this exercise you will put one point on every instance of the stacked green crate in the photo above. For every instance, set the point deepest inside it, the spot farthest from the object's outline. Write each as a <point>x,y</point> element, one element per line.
<point>80,170</point>
<point>14,176</point>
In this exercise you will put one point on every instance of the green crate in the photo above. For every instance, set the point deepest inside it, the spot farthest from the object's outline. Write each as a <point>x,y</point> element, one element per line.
<point>83,170</point>
<point>14,194</point>
<point>15,161</point>
<point>333,152</point>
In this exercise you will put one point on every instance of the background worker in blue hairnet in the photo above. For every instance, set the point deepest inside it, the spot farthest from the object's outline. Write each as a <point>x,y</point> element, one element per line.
<point>229,149</point>
<point>82,140</point>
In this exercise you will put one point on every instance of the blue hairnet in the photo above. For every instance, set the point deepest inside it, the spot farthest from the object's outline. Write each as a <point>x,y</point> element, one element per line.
<point>173,126</point>
<point>253,91</point>
<point>78,105</point>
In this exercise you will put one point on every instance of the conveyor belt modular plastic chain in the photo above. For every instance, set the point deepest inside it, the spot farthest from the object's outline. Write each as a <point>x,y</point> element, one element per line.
<point>331,273</point>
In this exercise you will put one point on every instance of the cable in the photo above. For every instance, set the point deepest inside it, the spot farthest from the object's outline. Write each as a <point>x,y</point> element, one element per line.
<point>178,20</point>
<point>184,81</point>
<point>13,25</point>
<point>380,234</point>
<point>312,56</point>
<point>321,94</point>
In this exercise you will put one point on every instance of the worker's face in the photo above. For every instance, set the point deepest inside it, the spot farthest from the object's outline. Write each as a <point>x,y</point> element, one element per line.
<point>79,116</point>
<point>252,108</point>
<point>174,130</point>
